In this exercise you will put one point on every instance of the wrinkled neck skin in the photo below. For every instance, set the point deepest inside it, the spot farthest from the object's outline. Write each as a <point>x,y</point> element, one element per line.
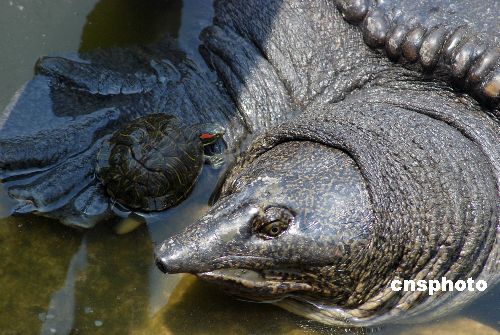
<point>432,175</point>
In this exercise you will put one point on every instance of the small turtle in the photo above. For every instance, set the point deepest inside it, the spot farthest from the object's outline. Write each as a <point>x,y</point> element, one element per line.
<point>152,163</point>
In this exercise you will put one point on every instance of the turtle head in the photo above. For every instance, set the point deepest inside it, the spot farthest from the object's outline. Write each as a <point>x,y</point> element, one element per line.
<point>285,224</point>
<point>209,133</point>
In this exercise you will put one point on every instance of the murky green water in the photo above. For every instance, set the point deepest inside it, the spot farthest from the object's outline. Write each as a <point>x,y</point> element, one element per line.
<point>56,280</point>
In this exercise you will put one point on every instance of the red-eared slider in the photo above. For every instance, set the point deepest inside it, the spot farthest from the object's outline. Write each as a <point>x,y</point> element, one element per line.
<point>152,163</point>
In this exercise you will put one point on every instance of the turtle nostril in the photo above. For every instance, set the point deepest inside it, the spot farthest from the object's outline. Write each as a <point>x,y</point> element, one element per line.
<point>161,264</point>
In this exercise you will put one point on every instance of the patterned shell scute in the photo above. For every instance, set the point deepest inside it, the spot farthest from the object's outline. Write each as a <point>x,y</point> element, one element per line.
<point>151,164</point>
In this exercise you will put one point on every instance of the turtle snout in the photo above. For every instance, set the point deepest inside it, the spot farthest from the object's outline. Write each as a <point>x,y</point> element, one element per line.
<point>174,256</point>
<point>169,260</point>
<point>201,247</point>
<point>161,265</point>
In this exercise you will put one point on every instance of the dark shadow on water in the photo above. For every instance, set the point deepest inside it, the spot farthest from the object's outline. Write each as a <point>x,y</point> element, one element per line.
<point>119,23</point>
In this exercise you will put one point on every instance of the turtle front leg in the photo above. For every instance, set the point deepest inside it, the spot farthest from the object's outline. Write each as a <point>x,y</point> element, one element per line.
<point>94,79</point>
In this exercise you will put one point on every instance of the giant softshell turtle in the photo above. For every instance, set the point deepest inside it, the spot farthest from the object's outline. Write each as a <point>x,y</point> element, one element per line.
<point>414,138</point>
<point>399,179</point>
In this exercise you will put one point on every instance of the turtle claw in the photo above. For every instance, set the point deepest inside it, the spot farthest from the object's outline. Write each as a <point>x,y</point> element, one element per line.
<point>215,161</point>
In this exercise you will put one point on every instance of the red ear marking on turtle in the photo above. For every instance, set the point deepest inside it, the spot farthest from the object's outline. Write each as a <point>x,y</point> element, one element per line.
<point>207,136</point>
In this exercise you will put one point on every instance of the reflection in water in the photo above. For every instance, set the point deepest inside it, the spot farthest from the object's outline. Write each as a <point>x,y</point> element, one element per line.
<point>165,224</point>
<point>129,22</point>
<point>112,294</point>
<point>34,258</point>
<point>55,280</point>
<point>6,203</point>
<point>60,315</point>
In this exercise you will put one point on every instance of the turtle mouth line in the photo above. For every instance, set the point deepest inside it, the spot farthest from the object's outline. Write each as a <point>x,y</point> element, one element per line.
<point>257,285</point>
<point>238,276</point>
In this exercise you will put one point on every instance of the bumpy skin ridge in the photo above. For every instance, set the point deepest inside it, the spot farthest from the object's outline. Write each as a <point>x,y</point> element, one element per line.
<point>416,35</point>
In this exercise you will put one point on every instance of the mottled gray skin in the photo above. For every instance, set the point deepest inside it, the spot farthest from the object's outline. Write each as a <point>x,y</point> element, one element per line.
<point>317,233</point>
<point>411,149</point>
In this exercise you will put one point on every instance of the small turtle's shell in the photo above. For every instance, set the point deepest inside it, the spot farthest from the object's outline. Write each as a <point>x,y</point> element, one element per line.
<point>151,164</point>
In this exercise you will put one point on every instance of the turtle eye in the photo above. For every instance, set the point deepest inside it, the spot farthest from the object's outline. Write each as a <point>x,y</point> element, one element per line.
<point>273,229</point>
<point>272,222</point>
